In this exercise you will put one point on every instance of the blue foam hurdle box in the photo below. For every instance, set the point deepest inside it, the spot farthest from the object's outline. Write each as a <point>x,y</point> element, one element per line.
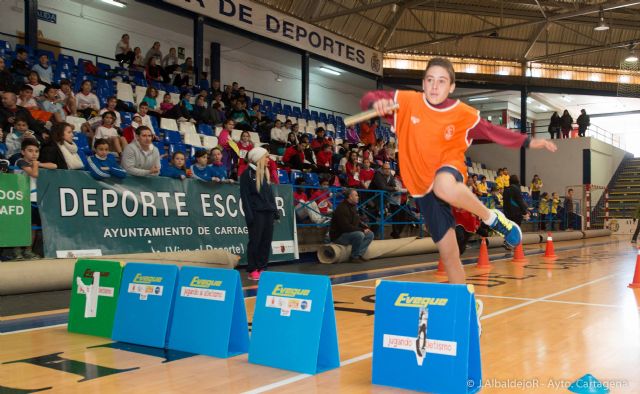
<point>294,323</point>
<point>145,303</point>
<point>209,315</point>
<point>425,337</point>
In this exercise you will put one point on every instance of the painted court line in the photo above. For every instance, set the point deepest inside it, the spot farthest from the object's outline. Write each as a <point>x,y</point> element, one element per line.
<point>297,378</point>
<point>33,329</point>
<point>554,301</point>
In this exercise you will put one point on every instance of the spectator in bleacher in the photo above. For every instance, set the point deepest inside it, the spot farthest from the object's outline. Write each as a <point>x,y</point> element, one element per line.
<point>319,141</point>
<point>141,157</point>
<point>153,52</point>
<point>384,155</point>
<point>124,54</point>
<point>67,98</point>
<point>636,216</point>
<point>170,62</point>
<point>583,122</point>
<point>366,173</point>
<point>240,116</point>
<point>368,133</point>
<point>536,187</point>
<point>229,147</point>
<point>19,67</point>
<point>309,156</point>
<point>278,138</point>
<point>153,72</point>
<point>138,59</point>
<point>322,198</point>
<point>292,138</point>
<point>151,98</point>
<point>377,147</point>
<point>217,98</point>
<point>352,136</point>
<point>87,102</point>
<point>227,96</point>
<point>384,180</point>
<point>109,132</point>
<point>166,105</point>
<point>555,125</point>
<point>544,215</point>
<point>44,70</point>
<point>28,163</point>
<point>200,170</point>
<point>566,122</point>
<point>495,199</point>
<point>353,177</point>
<point>61,150</point>
<point>515,209</point>
<point>474,185</point>
<point>287,126</point>
<point>129,132</point>
<point>348,229</point>
<point>352,160</point>
<point>143,108</point>
<point>568,211</point>
<point>10,111</point>
<point>186,108</point>
<point>112,102</point>
<point>34,82</point>
<point>241,94</point>
<point>295,128</point>
<point>294,156</point>
<point>218,169</point>
<point>325,159</point>
<point>102,165</point>
<point>26,98</point>
<point>186,74</point>
<point>202,113</point>
<point>260,211</point>
<point>6,80</point>
<point>52,104</point>
<point>235,89</point>
<point>177,167</point>
<point>483,187</point>
<point>305,208</point>
<point>245,144</point>
<point>18,133</point>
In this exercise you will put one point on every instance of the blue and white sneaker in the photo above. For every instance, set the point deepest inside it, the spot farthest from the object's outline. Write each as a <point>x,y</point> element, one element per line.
<point>511,231</point>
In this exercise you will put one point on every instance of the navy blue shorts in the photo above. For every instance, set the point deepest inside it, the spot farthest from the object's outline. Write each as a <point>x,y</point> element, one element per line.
<point>437,213</point>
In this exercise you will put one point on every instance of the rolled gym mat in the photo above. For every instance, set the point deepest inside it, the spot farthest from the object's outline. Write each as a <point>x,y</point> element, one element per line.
<point>333,253</point>
<point>19,277</point>
<point>563,235</point>
<point>596,233</point>
<point>387,247</point>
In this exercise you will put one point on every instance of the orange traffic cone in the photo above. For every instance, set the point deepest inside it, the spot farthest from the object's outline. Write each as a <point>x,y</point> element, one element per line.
<point>636,277</point>
<point>549,252</point>
<point>518,255</point>
<point>483,258</point>
<point>441,270</point>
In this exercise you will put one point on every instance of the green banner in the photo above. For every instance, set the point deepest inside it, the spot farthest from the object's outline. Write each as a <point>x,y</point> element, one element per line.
<point>15,210</point>
<point>85,217</point>
<point>94,297</point>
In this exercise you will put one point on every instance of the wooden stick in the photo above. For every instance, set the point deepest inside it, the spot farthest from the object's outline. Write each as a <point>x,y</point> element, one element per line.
<point>362,116</point>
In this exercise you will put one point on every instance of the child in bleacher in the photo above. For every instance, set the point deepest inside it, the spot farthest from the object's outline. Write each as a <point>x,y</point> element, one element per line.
<point>51,103</point>
<point>25,99</point>
<point>245,144</point>
<point>34,82</point>
<point>112,102</point>
<point>109,132</point>
<point>177,168</point>
<point>129,132</point>
<point>102,165</point>
<point>19,133</point>
<point>44,70</point>
<point>499,179</point>
<point>143,110</point>
<point>67,98</point>
<point>536,187</point>
<point>200,170</point>
<point>166,104</point>
<point>325,159</point>
<point>278,138</point>
<point>543,210</point>
<point>353,176</point>
<point>230,149</point>
<point>87,102</point>
<point>322,198</point>
<point>151,98</point>
<point>218,169</point>
<point>366,173</point>
<point>482,187</point>
<point>28,163</point>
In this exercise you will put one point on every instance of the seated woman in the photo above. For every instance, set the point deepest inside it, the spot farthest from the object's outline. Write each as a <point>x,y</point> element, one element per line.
<point>153,72</point>
<point>61,150</point>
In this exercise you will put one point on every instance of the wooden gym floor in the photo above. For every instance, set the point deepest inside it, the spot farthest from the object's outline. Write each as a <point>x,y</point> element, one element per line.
<point>544,326</point>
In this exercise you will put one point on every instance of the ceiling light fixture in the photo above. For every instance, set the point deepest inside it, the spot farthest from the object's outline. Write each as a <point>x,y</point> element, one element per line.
<point>329,71</point>
<point>632,57</point>
<point>115,3</point>
<point>278,78</point>
<point>478,98</point>
<point>602,26</point>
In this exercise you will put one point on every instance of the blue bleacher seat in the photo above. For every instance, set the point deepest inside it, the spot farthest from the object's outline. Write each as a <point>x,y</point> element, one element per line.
<point>267,105</point>
<point>177,148</point>
<point>314,115</point>
<point>295,175</point>
<point>257,100</point>
<point>126,117</point>
<point>161,146</point>
<point>204,84</point>
<point>322,117</point>
<point>331,119</point>
<point>296,111</point>
<point>205,129</point>
<point>172,137</point>
<point>287,108</point>
<point>277,108</point>
<point>154,122</point>
<point>283,177</point>
<point>306,114</point>
<point>339,120</point>
<point>5,47</point>
<point>311,179</point>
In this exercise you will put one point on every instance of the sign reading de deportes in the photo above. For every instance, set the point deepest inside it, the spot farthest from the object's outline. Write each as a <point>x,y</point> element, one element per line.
<point>150,214</point>
<point>266,22</point>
